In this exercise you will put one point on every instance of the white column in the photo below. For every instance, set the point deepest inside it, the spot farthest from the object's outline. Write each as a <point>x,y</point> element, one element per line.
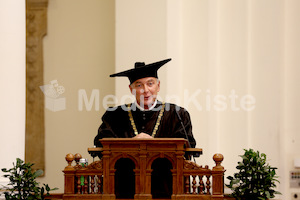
<point>12,82</point>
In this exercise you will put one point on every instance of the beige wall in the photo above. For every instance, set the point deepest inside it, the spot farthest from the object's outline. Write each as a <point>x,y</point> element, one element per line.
<point>140,36</point>
<point>79,54</point>
<point>216,46</point>
<point>250,47</point>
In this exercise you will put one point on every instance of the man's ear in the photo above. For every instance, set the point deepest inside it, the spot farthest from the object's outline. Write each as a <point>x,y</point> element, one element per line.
<point>130,88</point>
<point>158,85</point>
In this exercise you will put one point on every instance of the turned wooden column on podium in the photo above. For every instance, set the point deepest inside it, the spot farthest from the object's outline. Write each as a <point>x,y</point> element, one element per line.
<point>142,152</point>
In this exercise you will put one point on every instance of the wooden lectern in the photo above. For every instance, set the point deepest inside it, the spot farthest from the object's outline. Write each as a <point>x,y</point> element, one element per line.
<point>98,180</point>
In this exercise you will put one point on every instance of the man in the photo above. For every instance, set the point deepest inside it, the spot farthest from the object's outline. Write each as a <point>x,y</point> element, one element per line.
<point>145,118</point>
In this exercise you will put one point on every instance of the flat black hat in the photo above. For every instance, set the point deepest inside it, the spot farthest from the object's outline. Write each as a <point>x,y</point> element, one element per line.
<point>141,70</point>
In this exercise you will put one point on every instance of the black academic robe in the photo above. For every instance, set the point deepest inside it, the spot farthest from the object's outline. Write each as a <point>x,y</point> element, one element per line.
<point>116,123</point>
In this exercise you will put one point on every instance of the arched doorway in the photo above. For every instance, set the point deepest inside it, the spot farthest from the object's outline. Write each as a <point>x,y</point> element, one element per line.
<point>161,179</point>
<point>124,179</point>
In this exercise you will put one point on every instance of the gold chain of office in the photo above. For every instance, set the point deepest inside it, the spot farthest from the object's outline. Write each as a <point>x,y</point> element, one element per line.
<point>161,112</point>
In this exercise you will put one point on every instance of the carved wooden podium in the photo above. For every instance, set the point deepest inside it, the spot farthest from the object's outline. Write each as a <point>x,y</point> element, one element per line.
<point>97,180</point>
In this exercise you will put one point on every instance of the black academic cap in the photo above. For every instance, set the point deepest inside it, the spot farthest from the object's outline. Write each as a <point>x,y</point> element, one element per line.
<point>141,70</point>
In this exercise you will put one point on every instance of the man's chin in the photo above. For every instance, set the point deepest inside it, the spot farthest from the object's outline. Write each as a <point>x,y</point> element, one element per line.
<point>148,103</point>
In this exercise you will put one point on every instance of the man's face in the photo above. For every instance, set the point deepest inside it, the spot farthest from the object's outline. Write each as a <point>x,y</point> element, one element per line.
<point>145,91</point>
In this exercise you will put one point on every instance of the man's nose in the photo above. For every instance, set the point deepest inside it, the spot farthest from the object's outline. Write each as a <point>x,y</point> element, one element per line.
<point>146,89</point>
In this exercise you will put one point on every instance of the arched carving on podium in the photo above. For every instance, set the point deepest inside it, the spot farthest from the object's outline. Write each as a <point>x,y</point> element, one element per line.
<point>124,155</point>
<point>36,29</point>
<point>160,155</point>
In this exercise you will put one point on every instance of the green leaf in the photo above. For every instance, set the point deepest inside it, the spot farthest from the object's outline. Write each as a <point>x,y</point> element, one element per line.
<point>42,191</point>
<point>47,187</point>
<point>52,189</point>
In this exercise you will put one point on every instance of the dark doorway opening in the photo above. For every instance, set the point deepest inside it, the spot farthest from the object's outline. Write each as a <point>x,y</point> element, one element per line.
<point>124,179</point>
<point>161,179</point>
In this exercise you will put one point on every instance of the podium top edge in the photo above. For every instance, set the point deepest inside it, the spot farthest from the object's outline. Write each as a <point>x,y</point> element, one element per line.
<point>127,141</point>
<point>99,149</point>
<point>144,139</point>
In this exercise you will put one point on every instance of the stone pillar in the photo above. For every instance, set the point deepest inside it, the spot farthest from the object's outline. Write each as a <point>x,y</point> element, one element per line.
<point>36,28</point>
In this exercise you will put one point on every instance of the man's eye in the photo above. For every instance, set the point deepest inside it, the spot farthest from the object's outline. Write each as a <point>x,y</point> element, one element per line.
<point>150,83</point>
<point>138,86</point>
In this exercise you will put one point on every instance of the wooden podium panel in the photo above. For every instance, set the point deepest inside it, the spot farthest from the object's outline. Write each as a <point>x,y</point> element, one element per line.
<point>143,152</point>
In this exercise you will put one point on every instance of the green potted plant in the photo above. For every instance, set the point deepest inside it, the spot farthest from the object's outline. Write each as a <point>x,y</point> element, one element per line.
<point>255,178</point>
<point>22,182</point>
